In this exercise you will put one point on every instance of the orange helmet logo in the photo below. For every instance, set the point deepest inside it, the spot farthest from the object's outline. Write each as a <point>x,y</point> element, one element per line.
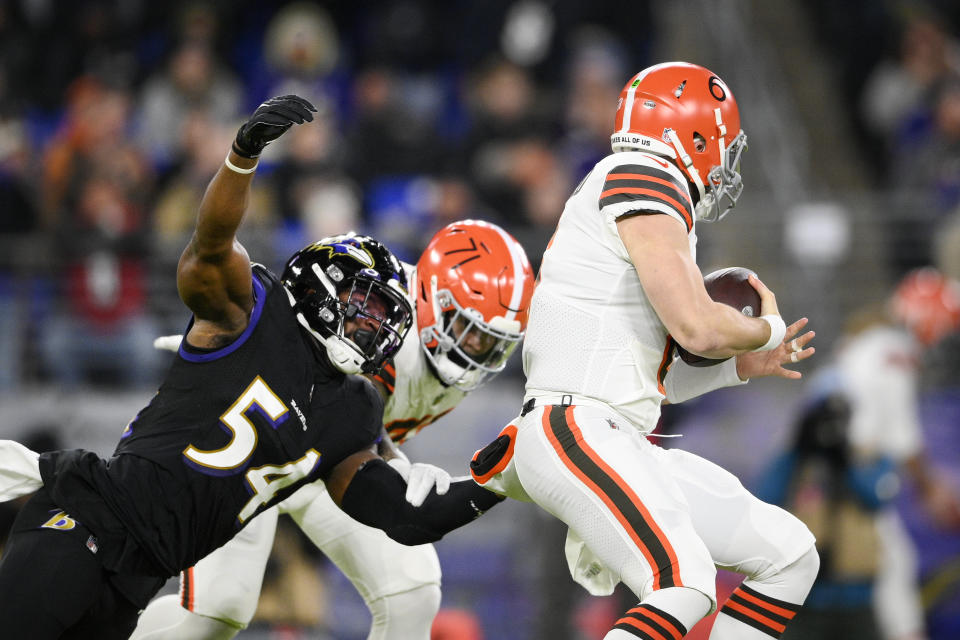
<point>473,286</point>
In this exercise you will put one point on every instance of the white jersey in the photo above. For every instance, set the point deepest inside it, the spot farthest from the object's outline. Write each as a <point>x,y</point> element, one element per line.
<point>878,370</point>
<point>592,331</point>
<point>416,397</point>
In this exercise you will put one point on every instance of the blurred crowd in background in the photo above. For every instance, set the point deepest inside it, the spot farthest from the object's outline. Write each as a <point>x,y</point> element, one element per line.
<point>115,114</point>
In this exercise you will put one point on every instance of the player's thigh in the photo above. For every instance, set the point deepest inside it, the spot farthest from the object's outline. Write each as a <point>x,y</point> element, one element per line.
<point>49,580</point>
<point>743,533</point>
<point>604,480</point>
<point>379,566</point>
<point>226,584</point>
<point>376,565</point>
<point>112,617</point>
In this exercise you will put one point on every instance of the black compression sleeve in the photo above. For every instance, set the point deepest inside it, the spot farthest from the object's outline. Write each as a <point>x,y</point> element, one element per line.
<point>375,497</point>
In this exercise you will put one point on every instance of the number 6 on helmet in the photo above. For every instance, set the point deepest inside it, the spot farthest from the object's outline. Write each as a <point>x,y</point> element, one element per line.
<point>684,112</point>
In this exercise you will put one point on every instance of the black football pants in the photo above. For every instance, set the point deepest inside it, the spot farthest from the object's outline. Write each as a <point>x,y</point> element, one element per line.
<point>52,584</point>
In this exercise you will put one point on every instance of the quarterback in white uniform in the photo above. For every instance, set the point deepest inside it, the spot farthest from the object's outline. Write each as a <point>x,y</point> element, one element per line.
<point>471,290</point>
<point>618,287</point>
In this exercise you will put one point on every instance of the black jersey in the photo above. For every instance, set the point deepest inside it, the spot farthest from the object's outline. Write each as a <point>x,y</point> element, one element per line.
<point>230,432</point>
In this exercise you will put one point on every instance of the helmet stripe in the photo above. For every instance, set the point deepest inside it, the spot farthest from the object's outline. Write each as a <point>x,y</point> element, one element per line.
<point>519,277</point>
<point>628,104</point>
<point>631,97</point>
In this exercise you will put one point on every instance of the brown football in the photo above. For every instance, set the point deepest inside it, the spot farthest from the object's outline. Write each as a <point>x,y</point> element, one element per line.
<point>730,287</point>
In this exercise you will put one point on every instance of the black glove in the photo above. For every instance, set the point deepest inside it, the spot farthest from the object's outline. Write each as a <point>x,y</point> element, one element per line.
<point>269,122</point>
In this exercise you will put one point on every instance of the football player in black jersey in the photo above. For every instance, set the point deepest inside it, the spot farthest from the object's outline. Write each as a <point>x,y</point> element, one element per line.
<point>258,401</point>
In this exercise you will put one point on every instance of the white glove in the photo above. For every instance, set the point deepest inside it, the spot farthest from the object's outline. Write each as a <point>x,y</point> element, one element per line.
<point>423,478</point>
<point>168,343</point>
<point>401,463</point>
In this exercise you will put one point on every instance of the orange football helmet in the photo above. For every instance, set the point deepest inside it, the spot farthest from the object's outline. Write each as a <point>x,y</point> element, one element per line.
<point>473,286</point>
<point>686,113</point>
<point>928,304</point>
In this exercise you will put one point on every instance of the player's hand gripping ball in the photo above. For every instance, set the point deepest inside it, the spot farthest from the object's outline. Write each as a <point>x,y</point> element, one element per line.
<point>729,286</point>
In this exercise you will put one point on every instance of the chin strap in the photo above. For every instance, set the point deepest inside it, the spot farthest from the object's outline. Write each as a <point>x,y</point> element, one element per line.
<point>342,356</point>
<point>722,130</point>
<point>684,158</point>
<point>454,375</point>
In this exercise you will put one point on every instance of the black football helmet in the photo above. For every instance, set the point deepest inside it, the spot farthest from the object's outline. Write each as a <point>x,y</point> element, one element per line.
<point>350,293</point>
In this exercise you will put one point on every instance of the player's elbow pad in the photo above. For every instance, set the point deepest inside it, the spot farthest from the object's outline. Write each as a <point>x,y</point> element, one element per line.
<point>376,497</point>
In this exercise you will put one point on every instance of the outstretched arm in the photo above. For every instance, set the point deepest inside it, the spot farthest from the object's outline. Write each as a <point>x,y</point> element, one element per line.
<point>372,492</point>
<point>213,277</point>
<point>420,477</point>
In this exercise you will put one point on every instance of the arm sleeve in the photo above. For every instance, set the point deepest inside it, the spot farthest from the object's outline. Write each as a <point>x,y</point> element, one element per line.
<point>683,382</point>
<point>376,497</point>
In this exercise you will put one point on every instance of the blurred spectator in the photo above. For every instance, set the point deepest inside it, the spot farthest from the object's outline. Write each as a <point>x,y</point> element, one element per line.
<point>47,45</point>
<point>311,167</point>
<point>93,140</point>
<point>17,189</point>
<point>837,492</point>
<point>928,181</point>
<point>400,212</point>
<point>505,146</point>
<point>595,77</point>
<point>20,217</point>
<point>95,185</point>
<point>876,368</point>
<point>947,246</point>
<point>193,80</point>
<point>506,155</point>
<point>543,182</point>
<point>387,138</point>
<point>899,92</point>
<point>105,322</point>
<point>300,51</point>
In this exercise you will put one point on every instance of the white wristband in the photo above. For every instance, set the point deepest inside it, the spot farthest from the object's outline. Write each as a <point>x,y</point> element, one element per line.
<point>778,329</point>
<point>237,169</point>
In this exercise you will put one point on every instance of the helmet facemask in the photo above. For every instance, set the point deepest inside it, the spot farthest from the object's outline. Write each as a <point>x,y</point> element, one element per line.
<point>686,113</point>
<point>376,317</point>
<point>358,316</point>
<point>724,183</point>
<point>466,350</point>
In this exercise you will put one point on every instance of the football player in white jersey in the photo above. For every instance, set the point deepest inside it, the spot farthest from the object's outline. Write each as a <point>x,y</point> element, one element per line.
<point>618,287</point>
<point>877,368</point>
<point>471,291</point>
